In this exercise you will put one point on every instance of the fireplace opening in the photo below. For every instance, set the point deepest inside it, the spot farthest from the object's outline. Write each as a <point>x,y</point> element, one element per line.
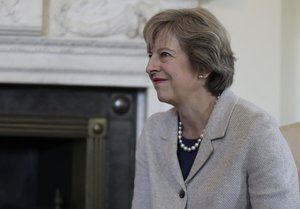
<point>35,173</point>
<point>67,147</point>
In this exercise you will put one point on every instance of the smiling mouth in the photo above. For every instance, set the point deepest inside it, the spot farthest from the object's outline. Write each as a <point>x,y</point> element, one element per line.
<point>158,79</point>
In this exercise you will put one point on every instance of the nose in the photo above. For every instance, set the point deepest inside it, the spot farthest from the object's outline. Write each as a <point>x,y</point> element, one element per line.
<point>152,66</point>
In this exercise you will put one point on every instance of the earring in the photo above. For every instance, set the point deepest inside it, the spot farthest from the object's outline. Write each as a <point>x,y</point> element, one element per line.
<point>201,76</point>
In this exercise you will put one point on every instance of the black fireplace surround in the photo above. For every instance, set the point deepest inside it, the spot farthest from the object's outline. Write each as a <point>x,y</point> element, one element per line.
<point>67,147</point>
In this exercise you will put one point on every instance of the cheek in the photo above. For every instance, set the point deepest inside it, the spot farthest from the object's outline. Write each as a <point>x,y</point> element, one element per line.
<point>187,82</point>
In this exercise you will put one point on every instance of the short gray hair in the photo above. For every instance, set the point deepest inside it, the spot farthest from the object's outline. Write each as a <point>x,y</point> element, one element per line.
<point>202,37</point>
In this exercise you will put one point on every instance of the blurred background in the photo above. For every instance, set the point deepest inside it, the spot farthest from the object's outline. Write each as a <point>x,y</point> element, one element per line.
<point>265,38</point>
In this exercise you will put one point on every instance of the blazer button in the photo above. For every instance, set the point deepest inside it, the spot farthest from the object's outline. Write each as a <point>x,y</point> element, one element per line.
<point>181,193</point>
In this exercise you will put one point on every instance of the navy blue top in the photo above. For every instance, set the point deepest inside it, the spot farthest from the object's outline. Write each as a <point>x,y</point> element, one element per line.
<point>186,159</point>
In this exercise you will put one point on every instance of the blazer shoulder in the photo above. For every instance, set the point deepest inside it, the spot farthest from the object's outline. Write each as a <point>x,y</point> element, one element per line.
<point>162,117</point>
<point>253,114</point>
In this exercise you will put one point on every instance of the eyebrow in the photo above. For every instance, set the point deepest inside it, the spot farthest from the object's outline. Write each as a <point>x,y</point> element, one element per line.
<point>159,49</point>
<point>164,48</point>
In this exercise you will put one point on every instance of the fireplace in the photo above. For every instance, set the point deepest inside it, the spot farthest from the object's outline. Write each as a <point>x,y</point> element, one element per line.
<point>105,76</point>
<point>72,107</point>
<point>67,147</point>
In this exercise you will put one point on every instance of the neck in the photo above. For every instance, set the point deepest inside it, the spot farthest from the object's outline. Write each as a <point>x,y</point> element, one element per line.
<point>195,117</point>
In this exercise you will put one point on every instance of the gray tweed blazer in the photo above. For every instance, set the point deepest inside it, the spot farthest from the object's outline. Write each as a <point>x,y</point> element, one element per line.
<point>243,162</point>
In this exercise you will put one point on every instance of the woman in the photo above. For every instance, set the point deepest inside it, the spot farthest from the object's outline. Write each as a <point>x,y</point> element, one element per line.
<point>213,149</point>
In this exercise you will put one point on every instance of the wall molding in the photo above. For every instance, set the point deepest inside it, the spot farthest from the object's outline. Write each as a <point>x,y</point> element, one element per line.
<point>71,46</point>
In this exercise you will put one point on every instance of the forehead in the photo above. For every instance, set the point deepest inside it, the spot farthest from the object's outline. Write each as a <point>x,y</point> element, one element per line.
<point>164,40</point>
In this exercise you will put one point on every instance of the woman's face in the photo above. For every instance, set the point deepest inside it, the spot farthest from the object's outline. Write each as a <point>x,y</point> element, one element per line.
<point>171,72</point>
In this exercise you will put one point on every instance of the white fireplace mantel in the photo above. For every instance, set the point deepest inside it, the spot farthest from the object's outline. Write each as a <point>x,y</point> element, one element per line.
<point>73,61</point>
<point>80,62</point>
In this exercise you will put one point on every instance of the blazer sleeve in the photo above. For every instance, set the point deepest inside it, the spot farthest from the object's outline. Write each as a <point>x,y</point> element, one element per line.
<point>141,193</point>
<point>272,173</point>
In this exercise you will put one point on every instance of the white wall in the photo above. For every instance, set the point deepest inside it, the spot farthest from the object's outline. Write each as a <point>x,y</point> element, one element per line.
<point>255,30</point>
<point>290,108</point>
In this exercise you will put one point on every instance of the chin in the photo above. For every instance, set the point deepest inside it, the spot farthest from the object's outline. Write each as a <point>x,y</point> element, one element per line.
<point>164,100</point>
<point>161,98</point>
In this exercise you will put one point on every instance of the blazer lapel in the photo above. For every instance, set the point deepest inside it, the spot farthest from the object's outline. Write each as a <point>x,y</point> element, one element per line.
<point>204,152</point>
<point>170,162</point>
<point>173,165</point>
<point>216,129</point>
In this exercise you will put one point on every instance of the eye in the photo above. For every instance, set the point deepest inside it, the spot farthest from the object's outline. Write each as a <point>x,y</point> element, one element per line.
<point>165,54</point>
<point>149,55</point>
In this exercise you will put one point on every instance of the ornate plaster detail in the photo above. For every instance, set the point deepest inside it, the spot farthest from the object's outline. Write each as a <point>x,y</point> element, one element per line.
<point>19,17</point>
<point>106,18</point>
<point>8,12</point>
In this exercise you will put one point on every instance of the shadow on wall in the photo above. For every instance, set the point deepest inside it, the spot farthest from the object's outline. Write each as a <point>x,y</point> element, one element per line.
<point>292,134</point>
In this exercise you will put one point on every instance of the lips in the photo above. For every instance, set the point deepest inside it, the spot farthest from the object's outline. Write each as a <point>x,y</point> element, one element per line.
<point>158,80</point>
